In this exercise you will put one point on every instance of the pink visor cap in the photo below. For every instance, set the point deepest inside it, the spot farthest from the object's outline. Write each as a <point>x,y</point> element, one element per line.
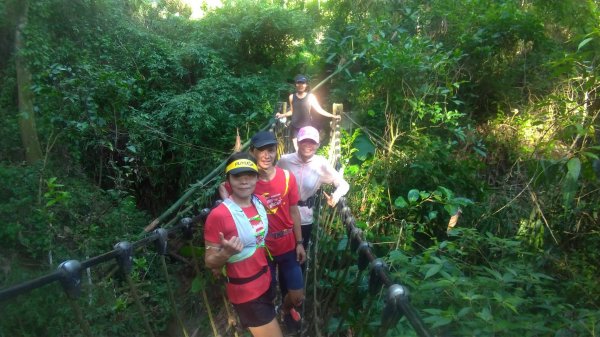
<point>308,132</point>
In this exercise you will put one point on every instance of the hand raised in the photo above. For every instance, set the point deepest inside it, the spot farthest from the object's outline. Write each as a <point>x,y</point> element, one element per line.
<point>330,200</point>
<point>231,246</point>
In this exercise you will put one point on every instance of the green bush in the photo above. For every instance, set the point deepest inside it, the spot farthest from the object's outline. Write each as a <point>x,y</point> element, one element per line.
<point>50,221</point>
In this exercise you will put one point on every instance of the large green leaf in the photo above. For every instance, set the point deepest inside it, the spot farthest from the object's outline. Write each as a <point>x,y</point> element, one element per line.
<point>364,147</point>
<point>574,168</point>
<point>447,192</point>
<point>400,202</point>
<point>462,201</point>
<point>570,185</point>
<point>342,244</point>
<point>452,209</point>
<point>584,42</point>
<point>433,269</point>
<point>441,321</point>
<point>197,284</point>
<point>413,195</point>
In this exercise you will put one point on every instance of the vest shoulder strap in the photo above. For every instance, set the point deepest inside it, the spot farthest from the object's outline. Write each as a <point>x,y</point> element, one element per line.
<point>287,181</point>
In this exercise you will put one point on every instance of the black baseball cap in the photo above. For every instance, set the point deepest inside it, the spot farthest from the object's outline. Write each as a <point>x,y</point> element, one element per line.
<point>300,79</point>
<point>263,138</point>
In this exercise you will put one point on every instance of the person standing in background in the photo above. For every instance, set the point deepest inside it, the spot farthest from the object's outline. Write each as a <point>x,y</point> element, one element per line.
<point>301,104</point>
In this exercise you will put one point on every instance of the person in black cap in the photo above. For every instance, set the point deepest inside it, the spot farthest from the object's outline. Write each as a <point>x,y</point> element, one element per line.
<point>302,103</point>
<point>235,234</point>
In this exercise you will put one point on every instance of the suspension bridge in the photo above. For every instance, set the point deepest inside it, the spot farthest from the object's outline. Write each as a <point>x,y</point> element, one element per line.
<point>339,258</point>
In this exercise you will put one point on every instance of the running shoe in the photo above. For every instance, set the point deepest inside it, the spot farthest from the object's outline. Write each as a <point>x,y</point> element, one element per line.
<point>292,321</point>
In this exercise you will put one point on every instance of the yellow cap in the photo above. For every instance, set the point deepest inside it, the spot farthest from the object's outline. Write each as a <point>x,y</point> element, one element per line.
<point>241,165</point>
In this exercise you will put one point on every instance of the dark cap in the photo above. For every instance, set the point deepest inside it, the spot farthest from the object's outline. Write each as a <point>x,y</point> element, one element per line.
<point>263,138</point>
<point>300,79</point>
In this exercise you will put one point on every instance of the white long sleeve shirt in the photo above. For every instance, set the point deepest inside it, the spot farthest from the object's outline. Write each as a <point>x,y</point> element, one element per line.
<point>310,175</point>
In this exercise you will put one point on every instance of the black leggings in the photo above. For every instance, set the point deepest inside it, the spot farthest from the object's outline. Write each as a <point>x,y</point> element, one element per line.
<point>306,234</point>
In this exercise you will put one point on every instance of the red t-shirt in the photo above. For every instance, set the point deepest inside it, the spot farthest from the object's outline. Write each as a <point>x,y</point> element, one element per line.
<point>278,210</point>
<point>221,220</point>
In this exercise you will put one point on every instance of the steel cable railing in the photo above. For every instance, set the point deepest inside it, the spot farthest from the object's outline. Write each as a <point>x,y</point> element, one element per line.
<point>397,302</point>
<point>69,273</point>
<point>334,269</point>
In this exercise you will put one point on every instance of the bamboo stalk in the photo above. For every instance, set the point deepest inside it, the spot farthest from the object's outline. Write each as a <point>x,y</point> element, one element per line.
<point>196,186</point>
<point>171,296</point>
<point>85,326</point>
<point>204,296</point>
<point>138,304</point>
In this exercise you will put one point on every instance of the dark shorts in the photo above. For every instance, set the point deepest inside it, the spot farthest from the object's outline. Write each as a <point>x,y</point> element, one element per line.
<point>257,312</point>
<point>290,273</point>
<point>295,131</point>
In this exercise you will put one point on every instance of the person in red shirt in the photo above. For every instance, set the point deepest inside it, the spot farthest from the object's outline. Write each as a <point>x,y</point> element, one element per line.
<point>284,241</point>
<point>234,235</point>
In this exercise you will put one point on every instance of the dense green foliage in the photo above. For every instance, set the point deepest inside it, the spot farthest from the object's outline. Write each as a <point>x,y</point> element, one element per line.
<point>481,113</point>
<point>490,107</point>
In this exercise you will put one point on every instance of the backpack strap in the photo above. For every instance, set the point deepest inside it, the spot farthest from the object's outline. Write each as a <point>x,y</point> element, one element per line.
<point>287,181</point>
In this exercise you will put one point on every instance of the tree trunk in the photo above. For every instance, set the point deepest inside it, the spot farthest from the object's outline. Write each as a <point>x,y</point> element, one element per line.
<point>29,137</point>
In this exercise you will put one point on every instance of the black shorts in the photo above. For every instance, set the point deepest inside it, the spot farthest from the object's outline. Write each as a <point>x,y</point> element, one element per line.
<point>295,131</point>
<point>257,312</point>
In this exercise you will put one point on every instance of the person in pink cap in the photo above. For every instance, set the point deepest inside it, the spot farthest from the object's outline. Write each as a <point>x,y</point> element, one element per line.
<point>311,171</point>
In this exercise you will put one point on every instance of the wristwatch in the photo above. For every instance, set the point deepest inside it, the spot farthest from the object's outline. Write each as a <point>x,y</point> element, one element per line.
<point>299,242</point>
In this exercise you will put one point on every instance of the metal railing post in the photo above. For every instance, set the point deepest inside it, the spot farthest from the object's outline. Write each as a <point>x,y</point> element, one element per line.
<point>397,295</point>
<point>125,261</point>
<point>161,249</point>
<point>70,279</point>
